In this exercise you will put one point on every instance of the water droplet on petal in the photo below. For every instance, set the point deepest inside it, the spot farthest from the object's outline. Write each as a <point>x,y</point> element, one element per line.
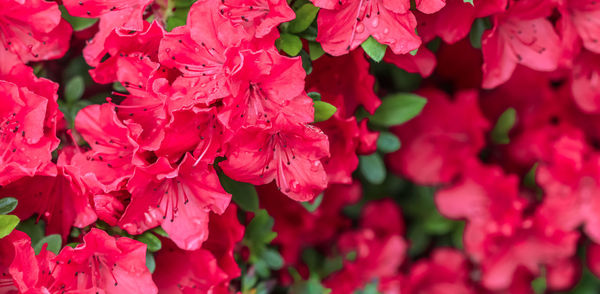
<point>360,28</point>
<point>375,22</point>
<point>386,31</point>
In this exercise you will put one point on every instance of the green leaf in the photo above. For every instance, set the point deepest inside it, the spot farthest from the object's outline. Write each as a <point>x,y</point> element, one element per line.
<point>311,207</point>
<point>78,23</point>
<point>351,256</point>
<point>306,62</point>
<point>7,224</point>
<point>150,240</point>
<point>304,17</point>
<point>54,244</point>
<point>243,194</point>
<point>33,229</point>
<point>469,1</point>
<point>505,123</point>
<point>272,258</point>
<point>370,288</point>
<point>323,110</point>
<point>387,142</point>
<point>262,269</point>
<point>372,168</point>
<point>414,52</point>
<point>397,109</point>
<point>374,49</point>
<point>436,224</point>
<point>248,281</point>
<point>529,178</point>
<point>539,284</point>
<point>7,204</point>
<point>315,50</point>
<point>259,230</point>
<point>477,29</point>
<point>117,86</point>
<point>160,231</point>
<point>310,286</point>
<point>314,96</point>
<point>176,13</point>
<point>150,262</point>
<point>74,89</point>
<point>290,44</point>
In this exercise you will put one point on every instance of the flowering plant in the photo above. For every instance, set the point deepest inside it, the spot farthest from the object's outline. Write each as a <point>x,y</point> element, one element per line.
<point>300,146</point>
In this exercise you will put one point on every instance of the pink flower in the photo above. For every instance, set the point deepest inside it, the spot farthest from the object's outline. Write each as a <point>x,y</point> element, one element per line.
<point>379,247</point>
<point>453,22</point>
<point>582,15</point>
<point>570,180</point>
<point>436,144</point>
<point>287,152</point>
<point>33,30</point>
<point>344,25</point>
<point>20,269</point>
<point>343,135</point>
<point>522,35</point>
<point>177,197</point>
<point>208,269</point>
<point>422,63</point>
<point>298,228</point>
<point>56,195</point>
<point>585,85</point>
<point>263,85</point>
<point>344,91</point>
<point>258,18</point>
<point>28,115</point>
<point>130,55</point>
<point>110,162</point>
<point>103,263</point>
<point>445,272</point>
<point>119,16</point>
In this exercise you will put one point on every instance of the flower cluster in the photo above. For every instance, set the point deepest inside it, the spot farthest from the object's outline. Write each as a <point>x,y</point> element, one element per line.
<point>129,129</point>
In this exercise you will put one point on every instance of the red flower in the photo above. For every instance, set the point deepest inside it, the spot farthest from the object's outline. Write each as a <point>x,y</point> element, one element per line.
<point>119,16</point>
<point>453,22</point>
<point>585,85</point>
<point>445,272</point>
<point>571,181</point>
<point>110,162</point>
<point>367,139</point>
<point>288,153</point>
<point>593,258</point>
<point>56,195</point>
<point>522,35</point>
<point>20,269</point>
<point>343,135</point>
<point>25,144</point>
<point>225,232</point>
<point>33,30</point>
<point>581,14</point>
<point>145,112</point>
<point>379,248</point>
<point>498,235</point>
<point>178,198</point>
<point>422,63</point>
<point>263,85</point>
<point>103,263</point>
<point>257,17</point>
<point>436,144</point>
<point>344,25</point>
<point>298,228</point>
<point>344,91</point>
<point>205,270</point>
<point>132,56</point>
